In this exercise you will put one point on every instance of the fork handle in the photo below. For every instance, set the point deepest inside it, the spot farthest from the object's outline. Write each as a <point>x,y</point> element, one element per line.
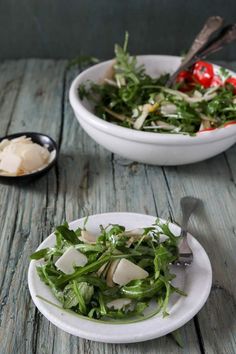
<point>188,205</point>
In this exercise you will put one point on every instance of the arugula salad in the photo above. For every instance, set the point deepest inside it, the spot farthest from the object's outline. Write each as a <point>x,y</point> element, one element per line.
<point>202,97</point>
<point>114,276</point>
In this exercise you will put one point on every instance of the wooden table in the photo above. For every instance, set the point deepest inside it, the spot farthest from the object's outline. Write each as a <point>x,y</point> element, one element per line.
<point>88,180</point>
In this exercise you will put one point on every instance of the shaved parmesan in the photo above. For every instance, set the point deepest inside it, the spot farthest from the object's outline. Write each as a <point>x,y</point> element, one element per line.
<point>87,237</point>
<point>118,304</point>
<point>141,119</point>
<point>22,156</point>
<point>127,271</point>
<point>70,259</point>
<point>134,232</point>
<point>10,162</point>
<point>111,270</point>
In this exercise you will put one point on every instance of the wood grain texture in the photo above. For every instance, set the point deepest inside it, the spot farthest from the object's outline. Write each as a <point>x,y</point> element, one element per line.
<point>24,209</point>
<point>88,180</point>
<point>11,76</point>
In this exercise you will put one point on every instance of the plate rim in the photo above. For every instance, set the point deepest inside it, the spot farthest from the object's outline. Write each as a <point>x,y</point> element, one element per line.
<point>58,320</point>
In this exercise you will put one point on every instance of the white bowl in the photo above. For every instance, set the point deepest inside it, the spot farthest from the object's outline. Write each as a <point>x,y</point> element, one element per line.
<point>147,147</point>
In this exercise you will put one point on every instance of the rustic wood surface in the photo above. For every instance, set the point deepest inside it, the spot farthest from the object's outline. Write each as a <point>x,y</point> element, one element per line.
<point>87,180</point>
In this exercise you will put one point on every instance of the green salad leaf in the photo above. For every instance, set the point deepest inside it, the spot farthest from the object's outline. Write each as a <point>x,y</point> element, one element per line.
<point>93,291</point>
<point>129,97</point>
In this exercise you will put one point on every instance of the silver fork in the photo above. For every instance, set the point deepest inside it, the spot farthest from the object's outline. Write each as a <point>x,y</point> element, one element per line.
<point>188,205</point>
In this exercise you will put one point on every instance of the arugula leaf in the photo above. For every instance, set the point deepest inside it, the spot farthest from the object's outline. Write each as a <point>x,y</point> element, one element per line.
<point>127,313</point>
<point>131,92</point>
<point>92,267</point>
<point>86,292</point>
<point>70,297</point>
<point>48,275</point>
<point>67,234</point>
<point>161,260</point>
<point>102,310</point>
<point>224,72</point>
<point>142,289</point>
<point>166,299</point>
<point>82,61</point>
<point>40,254</point>
<point>166,231</point>
<point>78,293</point>
<point>178,338</point>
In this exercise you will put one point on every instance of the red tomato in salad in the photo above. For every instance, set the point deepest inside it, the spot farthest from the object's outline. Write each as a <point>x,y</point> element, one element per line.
<point>185,80</point>
<point>203,73</point>
<point>216,81</point>
<point>183,75</point>
<point>231,81</point>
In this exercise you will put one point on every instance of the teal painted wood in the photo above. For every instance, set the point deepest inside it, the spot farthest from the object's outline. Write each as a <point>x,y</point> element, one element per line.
<point>25,206</point>
<point>11,75</point>
<point>215,229</point>
<point>87,180</point>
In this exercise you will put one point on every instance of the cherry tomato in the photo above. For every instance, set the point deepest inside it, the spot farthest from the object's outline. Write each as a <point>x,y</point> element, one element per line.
<point>203,73</point>
<point>216,81</point>
<point>185,81</point>
<point>183,75</point>
<point>231,81</point>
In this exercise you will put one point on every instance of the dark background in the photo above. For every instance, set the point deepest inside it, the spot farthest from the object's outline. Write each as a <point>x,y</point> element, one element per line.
<point>68,28</point>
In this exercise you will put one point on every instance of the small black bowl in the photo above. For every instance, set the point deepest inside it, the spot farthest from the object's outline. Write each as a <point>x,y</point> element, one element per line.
<point>40,139</point>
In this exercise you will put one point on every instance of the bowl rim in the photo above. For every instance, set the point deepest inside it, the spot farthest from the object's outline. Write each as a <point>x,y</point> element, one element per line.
<point>136,135</point>
<point>36,173</point>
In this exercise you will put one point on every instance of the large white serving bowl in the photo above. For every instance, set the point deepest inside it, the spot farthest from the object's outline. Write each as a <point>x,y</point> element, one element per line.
<point>147,147</point>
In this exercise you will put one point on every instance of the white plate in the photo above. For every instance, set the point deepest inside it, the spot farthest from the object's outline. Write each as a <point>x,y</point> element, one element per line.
<point>195,281</point>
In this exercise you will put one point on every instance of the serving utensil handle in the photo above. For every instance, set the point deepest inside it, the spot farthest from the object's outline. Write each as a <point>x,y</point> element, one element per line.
<point>226,36</point>
<point>211,25</point>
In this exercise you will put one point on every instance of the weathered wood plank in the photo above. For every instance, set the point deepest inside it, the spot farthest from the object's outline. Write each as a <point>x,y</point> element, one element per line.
<point>11,75</point>
<point>90,180</point>
<point>96,182</point>
<point>230,154</point>
<point>215,228</point>
<point>139,191</point>
<point>214,181</point>
<point>84,187</point>
<point>25,209</point>
<point>42,87</point>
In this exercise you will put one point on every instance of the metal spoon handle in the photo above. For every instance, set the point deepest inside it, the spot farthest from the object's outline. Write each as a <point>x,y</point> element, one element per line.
<point>227,35</point>
<point>211,25</point>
